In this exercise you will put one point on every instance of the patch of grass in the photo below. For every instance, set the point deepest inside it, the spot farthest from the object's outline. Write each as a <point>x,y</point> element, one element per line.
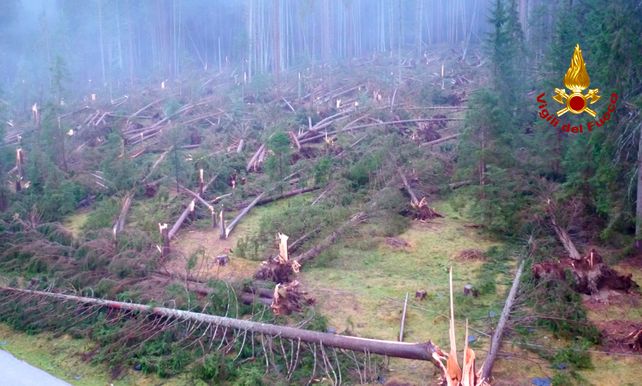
<point>75,222</point>
<point>362,290</point>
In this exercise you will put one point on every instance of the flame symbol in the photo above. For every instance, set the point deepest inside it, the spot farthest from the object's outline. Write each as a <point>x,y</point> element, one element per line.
<point>577,78</point>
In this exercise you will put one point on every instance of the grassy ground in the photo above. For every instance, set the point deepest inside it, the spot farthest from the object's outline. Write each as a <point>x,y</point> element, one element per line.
<point>361,287</point>
<point>76,221</point>
<point>359,284</point>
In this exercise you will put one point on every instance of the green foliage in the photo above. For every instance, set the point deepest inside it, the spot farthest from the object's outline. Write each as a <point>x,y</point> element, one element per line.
<point>103,215</point>
<point>322,169</point>
<point>215,366</point>
<point>61,199</point>
<point>277,164</point>
<point>364,169</point>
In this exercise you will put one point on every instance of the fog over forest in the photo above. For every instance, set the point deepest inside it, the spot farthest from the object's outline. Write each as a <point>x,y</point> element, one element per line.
<point>113,44</point>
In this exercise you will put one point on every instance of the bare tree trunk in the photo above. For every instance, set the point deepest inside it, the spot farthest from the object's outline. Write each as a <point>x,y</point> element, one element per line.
<point>499,331</point>
<point>413,196</point>
<point>238,218</point>
<point>186,212</point>
<point>638,202</point>
<point>417,351</point>
<point>165,250</point>
<point>566,241</point>
<point>119,225</point>
<point>328,241</point>
<point>403,318</point>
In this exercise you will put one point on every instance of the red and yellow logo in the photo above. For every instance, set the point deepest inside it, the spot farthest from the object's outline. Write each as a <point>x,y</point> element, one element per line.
<point>576,80</point>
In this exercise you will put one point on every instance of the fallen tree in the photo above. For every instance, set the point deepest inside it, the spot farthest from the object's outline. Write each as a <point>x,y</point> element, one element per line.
<point>418,351</point>
<point>119,225</point>
<point>235,221</point>
<point>330,239</point>
<point>589,272</point>
<point>285,195</point>
<point>186,212</point>
<point>496,340</point>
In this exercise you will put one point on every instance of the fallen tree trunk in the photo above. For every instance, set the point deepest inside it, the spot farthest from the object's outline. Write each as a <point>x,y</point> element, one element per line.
<point>417,351</point>
<point>289,194</point>
<point>186,212</point>
<point>252,163</point>
<point>499,331</point>
<point>119,225</point>
<point>238,218</point>
<point>561,233</point>
<point>198,198</point>
<point>566,241</point>
<point>440,140</point>
<point>332,237</point>
<point>413,197</point>
<point>346,129</point>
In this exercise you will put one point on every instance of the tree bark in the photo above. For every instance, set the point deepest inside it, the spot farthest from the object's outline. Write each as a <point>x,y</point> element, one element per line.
<point>403,318</point>
<point>499,331</point>
<point>245,211</point>
<point>413,196</point>
<point>638,202</point>
<point>417,351</point>
<point>325,243</point>
<point>289,194</point>
<point>119,225</point>
<point>566,241</point>
<point>186,212</point>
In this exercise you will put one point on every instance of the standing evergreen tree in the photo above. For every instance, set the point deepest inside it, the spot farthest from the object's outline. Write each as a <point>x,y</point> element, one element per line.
<point>493,127</point>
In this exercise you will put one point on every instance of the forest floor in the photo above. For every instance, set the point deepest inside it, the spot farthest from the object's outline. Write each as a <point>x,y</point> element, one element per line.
<point>359,285</point>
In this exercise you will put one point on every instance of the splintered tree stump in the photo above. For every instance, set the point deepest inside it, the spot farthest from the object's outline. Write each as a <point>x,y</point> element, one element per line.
<point>469,290</point>
<point>164,233</point>
<point>222,260</point>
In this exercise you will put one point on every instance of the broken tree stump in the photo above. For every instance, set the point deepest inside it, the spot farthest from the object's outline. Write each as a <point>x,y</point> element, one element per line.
<point>221,223</point>
<point>469,290</point>
<point>164,233</point>
<point>403,318</point>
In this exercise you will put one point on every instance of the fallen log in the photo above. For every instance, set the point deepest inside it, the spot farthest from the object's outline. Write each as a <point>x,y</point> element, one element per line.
<point>252,163</point>
<point>198,198</point>
<point>238,217</point>
<point>561,233</point>
<point>119,225</point>
<point>440,140</point>
<point>418,351</point>
<point>499,331</point>
<point>330,239</point>
<point>413,197</point>
<point>186,212</point>
<point>146,107</point>
<point>285,195</point>
<point>346,129</point>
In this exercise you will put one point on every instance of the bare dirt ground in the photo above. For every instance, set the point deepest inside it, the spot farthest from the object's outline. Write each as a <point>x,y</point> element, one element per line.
<point>189,242</point>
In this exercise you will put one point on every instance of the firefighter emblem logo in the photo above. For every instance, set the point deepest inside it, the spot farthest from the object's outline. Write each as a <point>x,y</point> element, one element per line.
<point>577,80</point>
